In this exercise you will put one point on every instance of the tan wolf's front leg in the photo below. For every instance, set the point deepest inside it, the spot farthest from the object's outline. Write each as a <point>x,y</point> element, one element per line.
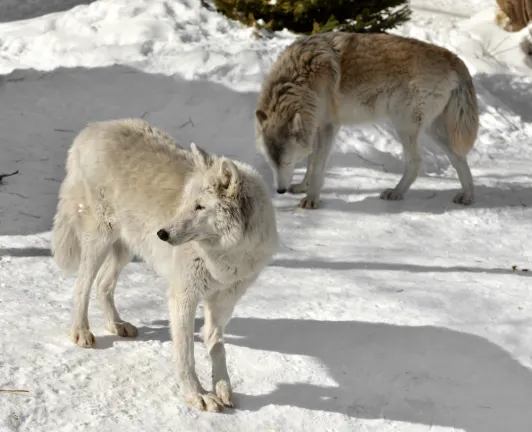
<point>302,187</point>
<point>325,141</point>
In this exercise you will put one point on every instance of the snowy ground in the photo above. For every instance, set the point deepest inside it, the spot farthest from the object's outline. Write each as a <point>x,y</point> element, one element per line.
<point>374,316</point>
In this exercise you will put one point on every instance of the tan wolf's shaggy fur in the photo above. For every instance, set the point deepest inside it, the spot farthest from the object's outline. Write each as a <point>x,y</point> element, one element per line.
<point>322,82</point>
<point>203,222</point>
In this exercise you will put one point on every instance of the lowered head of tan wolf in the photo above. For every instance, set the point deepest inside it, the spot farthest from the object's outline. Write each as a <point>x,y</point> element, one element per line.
<point>214,208</point>
<point>284,142</point>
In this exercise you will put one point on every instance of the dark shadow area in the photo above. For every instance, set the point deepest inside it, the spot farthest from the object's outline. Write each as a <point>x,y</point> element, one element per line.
<point>436,201</point>
<point>412,268</point>
<point>426,375</point>
<point>145,333</point>
<point>14,10</point>
<point>43,112</point>
<point>31,252</point>
<point>511,91</point>
<point>27,252</point>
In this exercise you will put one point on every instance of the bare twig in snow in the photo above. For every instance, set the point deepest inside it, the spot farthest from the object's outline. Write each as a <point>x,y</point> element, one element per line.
<point>187,123</point>
<point>3,176</point>
<point>30,215</point>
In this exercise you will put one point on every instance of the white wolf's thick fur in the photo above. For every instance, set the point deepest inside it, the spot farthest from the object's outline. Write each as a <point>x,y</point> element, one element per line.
<point>324,81</point>
<point>204,222</point>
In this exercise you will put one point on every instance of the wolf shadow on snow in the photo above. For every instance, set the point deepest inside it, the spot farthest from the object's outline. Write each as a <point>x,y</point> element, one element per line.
<point>418,374</point>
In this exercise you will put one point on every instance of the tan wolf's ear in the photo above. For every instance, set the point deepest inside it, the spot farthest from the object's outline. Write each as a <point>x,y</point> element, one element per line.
<point>229,177</point>
<point>297,124</point>
<point>201,157</point>
<point>261,116</point>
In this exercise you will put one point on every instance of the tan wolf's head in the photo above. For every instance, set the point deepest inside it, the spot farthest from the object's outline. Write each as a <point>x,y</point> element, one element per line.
<point>283,142</point>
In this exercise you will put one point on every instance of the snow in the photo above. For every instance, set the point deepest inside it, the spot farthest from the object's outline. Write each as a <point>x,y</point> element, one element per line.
<point>374,316</point>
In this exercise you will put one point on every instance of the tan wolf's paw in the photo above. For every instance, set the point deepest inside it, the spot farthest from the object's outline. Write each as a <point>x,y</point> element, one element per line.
<point>463,198</point>
<point>123,329</point>
<point>391,195</point>
<point>205,402</point>
<point>309,203</point>
<point>298,188</point>
<point>224,392</point>
<point>82,337</point>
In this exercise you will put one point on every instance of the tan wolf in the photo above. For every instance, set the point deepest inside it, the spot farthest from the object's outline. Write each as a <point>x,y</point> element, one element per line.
<point>322,82</point>
<point>205,223</point>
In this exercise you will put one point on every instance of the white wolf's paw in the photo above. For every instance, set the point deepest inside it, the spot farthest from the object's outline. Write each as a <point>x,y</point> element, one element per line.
<point>391,195</point>
<point>463,198</point>
<point>298,188</point>
<point>309,203</point>
<point>123,329</point>
<point>82,337</point>
<point>205,402</point>
<point>224,392</point>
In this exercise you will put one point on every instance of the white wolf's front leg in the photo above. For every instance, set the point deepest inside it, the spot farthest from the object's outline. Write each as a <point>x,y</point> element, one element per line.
<point>326,135</point>
<point>183,301</point>
<point>218,311</point>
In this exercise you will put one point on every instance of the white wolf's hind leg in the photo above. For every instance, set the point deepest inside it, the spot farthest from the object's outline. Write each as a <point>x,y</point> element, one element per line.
<point>218,311</point>
<point>412,159</point>
<point>105,284</point>
<point>94,248</point>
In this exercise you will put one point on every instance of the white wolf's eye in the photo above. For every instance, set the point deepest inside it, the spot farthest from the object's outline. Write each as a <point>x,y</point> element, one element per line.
<point>199,207</point>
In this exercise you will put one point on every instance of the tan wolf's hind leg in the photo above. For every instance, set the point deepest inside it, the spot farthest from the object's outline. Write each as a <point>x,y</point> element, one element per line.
<point>409,139</point>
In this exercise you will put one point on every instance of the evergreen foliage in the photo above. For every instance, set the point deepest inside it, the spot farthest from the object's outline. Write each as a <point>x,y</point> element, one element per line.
<point>318,16</point>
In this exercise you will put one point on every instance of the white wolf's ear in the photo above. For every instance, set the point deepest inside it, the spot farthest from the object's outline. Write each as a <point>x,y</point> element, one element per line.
<point>261,116</point>
<point>229,177</point>
<point>201,157</point>
<point>297,124</point>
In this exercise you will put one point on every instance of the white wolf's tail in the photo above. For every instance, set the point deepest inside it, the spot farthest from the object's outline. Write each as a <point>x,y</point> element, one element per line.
<point>66,247</point>
<point>461,113</point>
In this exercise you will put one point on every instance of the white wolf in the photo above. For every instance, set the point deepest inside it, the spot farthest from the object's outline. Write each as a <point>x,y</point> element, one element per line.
<point>322,82</point>
<point>204,222</point>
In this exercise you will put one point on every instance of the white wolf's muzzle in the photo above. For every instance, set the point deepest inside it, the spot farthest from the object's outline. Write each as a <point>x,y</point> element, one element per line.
<point>177,235</point>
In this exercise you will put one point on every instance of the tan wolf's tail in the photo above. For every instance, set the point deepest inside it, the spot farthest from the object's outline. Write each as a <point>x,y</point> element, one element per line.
<point>66,248</point>
<point>461,112</point>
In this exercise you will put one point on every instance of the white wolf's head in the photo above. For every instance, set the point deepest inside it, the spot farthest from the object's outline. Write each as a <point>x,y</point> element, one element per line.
<point>283,142</point>
<point>214,206</point>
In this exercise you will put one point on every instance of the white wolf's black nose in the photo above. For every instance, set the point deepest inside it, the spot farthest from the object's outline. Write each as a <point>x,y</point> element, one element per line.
<point>281,191</point>
<point>163,235</point>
